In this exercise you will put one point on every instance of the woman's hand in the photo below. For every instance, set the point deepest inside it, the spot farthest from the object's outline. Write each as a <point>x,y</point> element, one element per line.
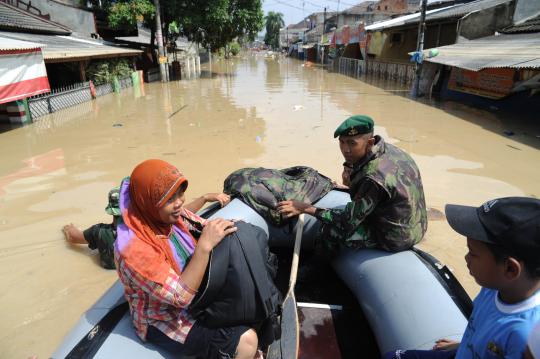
<point>222,198</point>
<point>445,344</point>
<point>214,231</point>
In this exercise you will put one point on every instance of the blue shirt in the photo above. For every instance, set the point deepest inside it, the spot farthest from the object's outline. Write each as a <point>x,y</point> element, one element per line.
<point>497,329</point>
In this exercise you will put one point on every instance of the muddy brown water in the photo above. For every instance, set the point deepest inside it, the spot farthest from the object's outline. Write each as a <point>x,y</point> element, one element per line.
<point>253,111</point>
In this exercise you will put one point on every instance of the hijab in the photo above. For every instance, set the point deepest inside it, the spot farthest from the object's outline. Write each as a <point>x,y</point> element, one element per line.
<point>143,238</point>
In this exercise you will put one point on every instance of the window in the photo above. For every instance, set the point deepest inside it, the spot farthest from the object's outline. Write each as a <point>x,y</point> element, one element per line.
<point>396,38</point>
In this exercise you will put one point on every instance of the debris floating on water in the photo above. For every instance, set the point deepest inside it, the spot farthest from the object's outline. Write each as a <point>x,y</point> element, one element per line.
<point>175,112</point>
<point>298,107</point>
<point>258,139</point>
<point>117,125</point>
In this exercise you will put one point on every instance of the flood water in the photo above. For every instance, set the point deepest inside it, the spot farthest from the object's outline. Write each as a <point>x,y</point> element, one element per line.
<point>253,111</point>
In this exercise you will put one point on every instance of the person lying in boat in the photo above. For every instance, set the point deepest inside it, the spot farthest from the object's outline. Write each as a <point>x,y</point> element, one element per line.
<point>161,265</point>
<point>101,236</point>
<point>503,237</point>
<point>388,209</point>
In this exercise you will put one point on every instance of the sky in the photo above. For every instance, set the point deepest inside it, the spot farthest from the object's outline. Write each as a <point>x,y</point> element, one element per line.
<point>292,9</point>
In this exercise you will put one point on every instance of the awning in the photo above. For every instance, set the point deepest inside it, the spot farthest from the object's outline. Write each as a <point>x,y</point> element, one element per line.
<point>510,51</point>
<point>57,48</point>
<point>22,70</point>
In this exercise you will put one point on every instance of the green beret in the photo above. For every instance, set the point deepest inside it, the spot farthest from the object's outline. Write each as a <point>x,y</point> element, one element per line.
<point>355,125</point>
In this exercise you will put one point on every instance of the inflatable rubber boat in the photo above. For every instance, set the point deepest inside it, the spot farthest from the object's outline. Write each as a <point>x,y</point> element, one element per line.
<point>359,304</point>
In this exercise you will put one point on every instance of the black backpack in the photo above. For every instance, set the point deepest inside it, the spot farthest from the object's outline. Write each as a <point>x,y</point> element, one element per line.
<point>238,286</point>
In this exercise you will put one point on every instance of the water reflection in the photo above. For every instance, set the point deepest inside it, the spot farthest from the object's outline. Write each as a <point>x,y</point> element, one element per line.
<point>253,111</point>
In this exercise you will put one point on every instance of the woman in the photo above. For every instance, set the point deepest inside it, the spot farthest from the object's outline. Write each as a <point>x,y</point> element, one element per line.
<point>162,265</point>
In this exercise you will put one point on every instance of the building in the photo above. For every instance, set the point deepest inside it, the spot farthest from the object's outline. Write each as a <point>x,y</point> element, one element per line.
<point>501,71</point>
<point>67,56</point>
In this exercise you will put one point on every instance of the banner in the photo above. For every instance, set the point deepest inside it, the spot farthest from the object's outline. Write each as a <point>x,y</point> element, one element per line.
<point>492,83</point>
<point>22,74</point>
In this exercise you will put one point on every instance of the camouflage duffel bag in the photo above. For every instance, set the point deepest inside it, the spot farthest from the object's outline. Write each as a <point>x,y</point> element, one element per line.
<point>262,188</point>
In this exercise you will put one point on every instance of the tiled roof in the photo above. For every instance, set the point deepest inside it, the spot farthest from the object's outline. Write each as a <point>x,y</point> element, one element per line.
<point>14,19</point>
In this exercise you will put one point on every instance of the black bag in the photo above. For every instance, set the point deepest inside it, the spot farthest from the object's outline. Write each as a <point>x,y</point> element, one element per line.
<point>238,286</point>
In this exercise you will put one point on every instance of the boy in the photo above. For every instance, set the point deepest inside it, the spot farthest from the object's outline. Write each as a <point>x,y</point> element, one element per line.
<point>103,235</point>
<point>503,237</point>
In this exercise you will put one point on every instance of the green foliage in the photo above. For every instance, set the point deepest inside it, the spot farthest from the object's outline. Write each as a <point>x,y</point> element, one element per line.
<point>234,48</point>
<point>127,12</point>
<point>216,23</point>
<point>101,72</point>
<point>274,22</point>
<point>213,23</point>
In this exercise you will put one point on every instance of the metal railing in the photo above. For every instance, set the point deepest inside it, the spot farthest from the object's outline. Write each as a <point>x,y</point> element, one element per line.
<point>65,97</point>
<point>59,99</point>
<point>104,89</point>
<point>399,72</point>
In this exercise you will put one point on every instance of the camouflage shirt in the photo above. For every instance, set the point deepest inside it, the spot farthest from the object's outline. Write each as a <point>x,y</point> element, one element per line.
<point>388,209</point>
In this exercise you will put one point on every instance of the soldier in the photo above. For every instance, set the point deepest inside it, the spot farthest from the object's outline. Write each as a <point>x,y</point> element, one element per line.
<point>388,209</point>
<point>101,236</point>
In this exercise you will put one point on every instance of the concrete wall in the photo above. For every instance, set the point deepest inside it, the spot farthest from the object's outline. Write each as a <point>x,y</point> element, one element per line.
<point>367,18</point>
<point>78,20</point>
<point>435,36</point>
<point>484,23</point>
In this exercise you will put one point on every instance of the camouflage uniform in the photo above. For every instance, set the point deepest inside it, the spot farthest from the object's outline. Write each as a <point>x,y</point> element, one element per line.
<point>388,210</point>
<point>101,236</point>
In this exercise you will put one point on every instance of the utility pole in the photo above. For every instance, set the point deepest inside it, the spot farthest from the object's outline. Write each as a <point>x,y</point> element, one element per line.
<point>420,48</point>
<point>322,37</point>
<point>324,22</point>
<point>159,39</point>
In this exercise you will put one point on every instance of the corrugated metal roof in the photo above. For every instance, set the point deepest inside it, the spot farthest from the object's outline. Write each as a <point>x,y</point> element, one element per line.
<point>143,37</point>
<point>10,44</point>
<point>531,25</point>
<point>455,11</point>
<point>514,51</point>
<point>14,19</point>
<point>70,48</point>
<point>464,9</point>
<point>399,21</point>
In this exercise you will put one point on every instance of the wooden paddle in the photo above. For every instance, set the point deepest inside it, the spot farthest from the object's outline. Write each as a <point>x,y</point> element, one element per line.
<point>289,317</point>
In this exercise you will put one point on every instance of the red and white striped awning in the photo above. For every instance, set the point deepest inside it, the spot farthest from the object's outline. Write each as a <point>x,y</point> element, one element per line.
<point>22,70</point>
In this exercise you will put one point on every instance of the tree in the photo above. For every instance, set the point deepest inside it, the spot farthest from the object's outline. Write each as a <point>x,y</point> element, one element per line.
<point>274,22</point>
<point>128,12</point>
<point>215,23</point>
<point>212,23</point>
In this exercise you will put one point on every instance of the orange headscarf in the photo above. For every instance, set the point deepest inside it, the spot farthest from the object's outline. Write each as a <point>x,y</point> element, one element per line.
<point>152,184</point>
